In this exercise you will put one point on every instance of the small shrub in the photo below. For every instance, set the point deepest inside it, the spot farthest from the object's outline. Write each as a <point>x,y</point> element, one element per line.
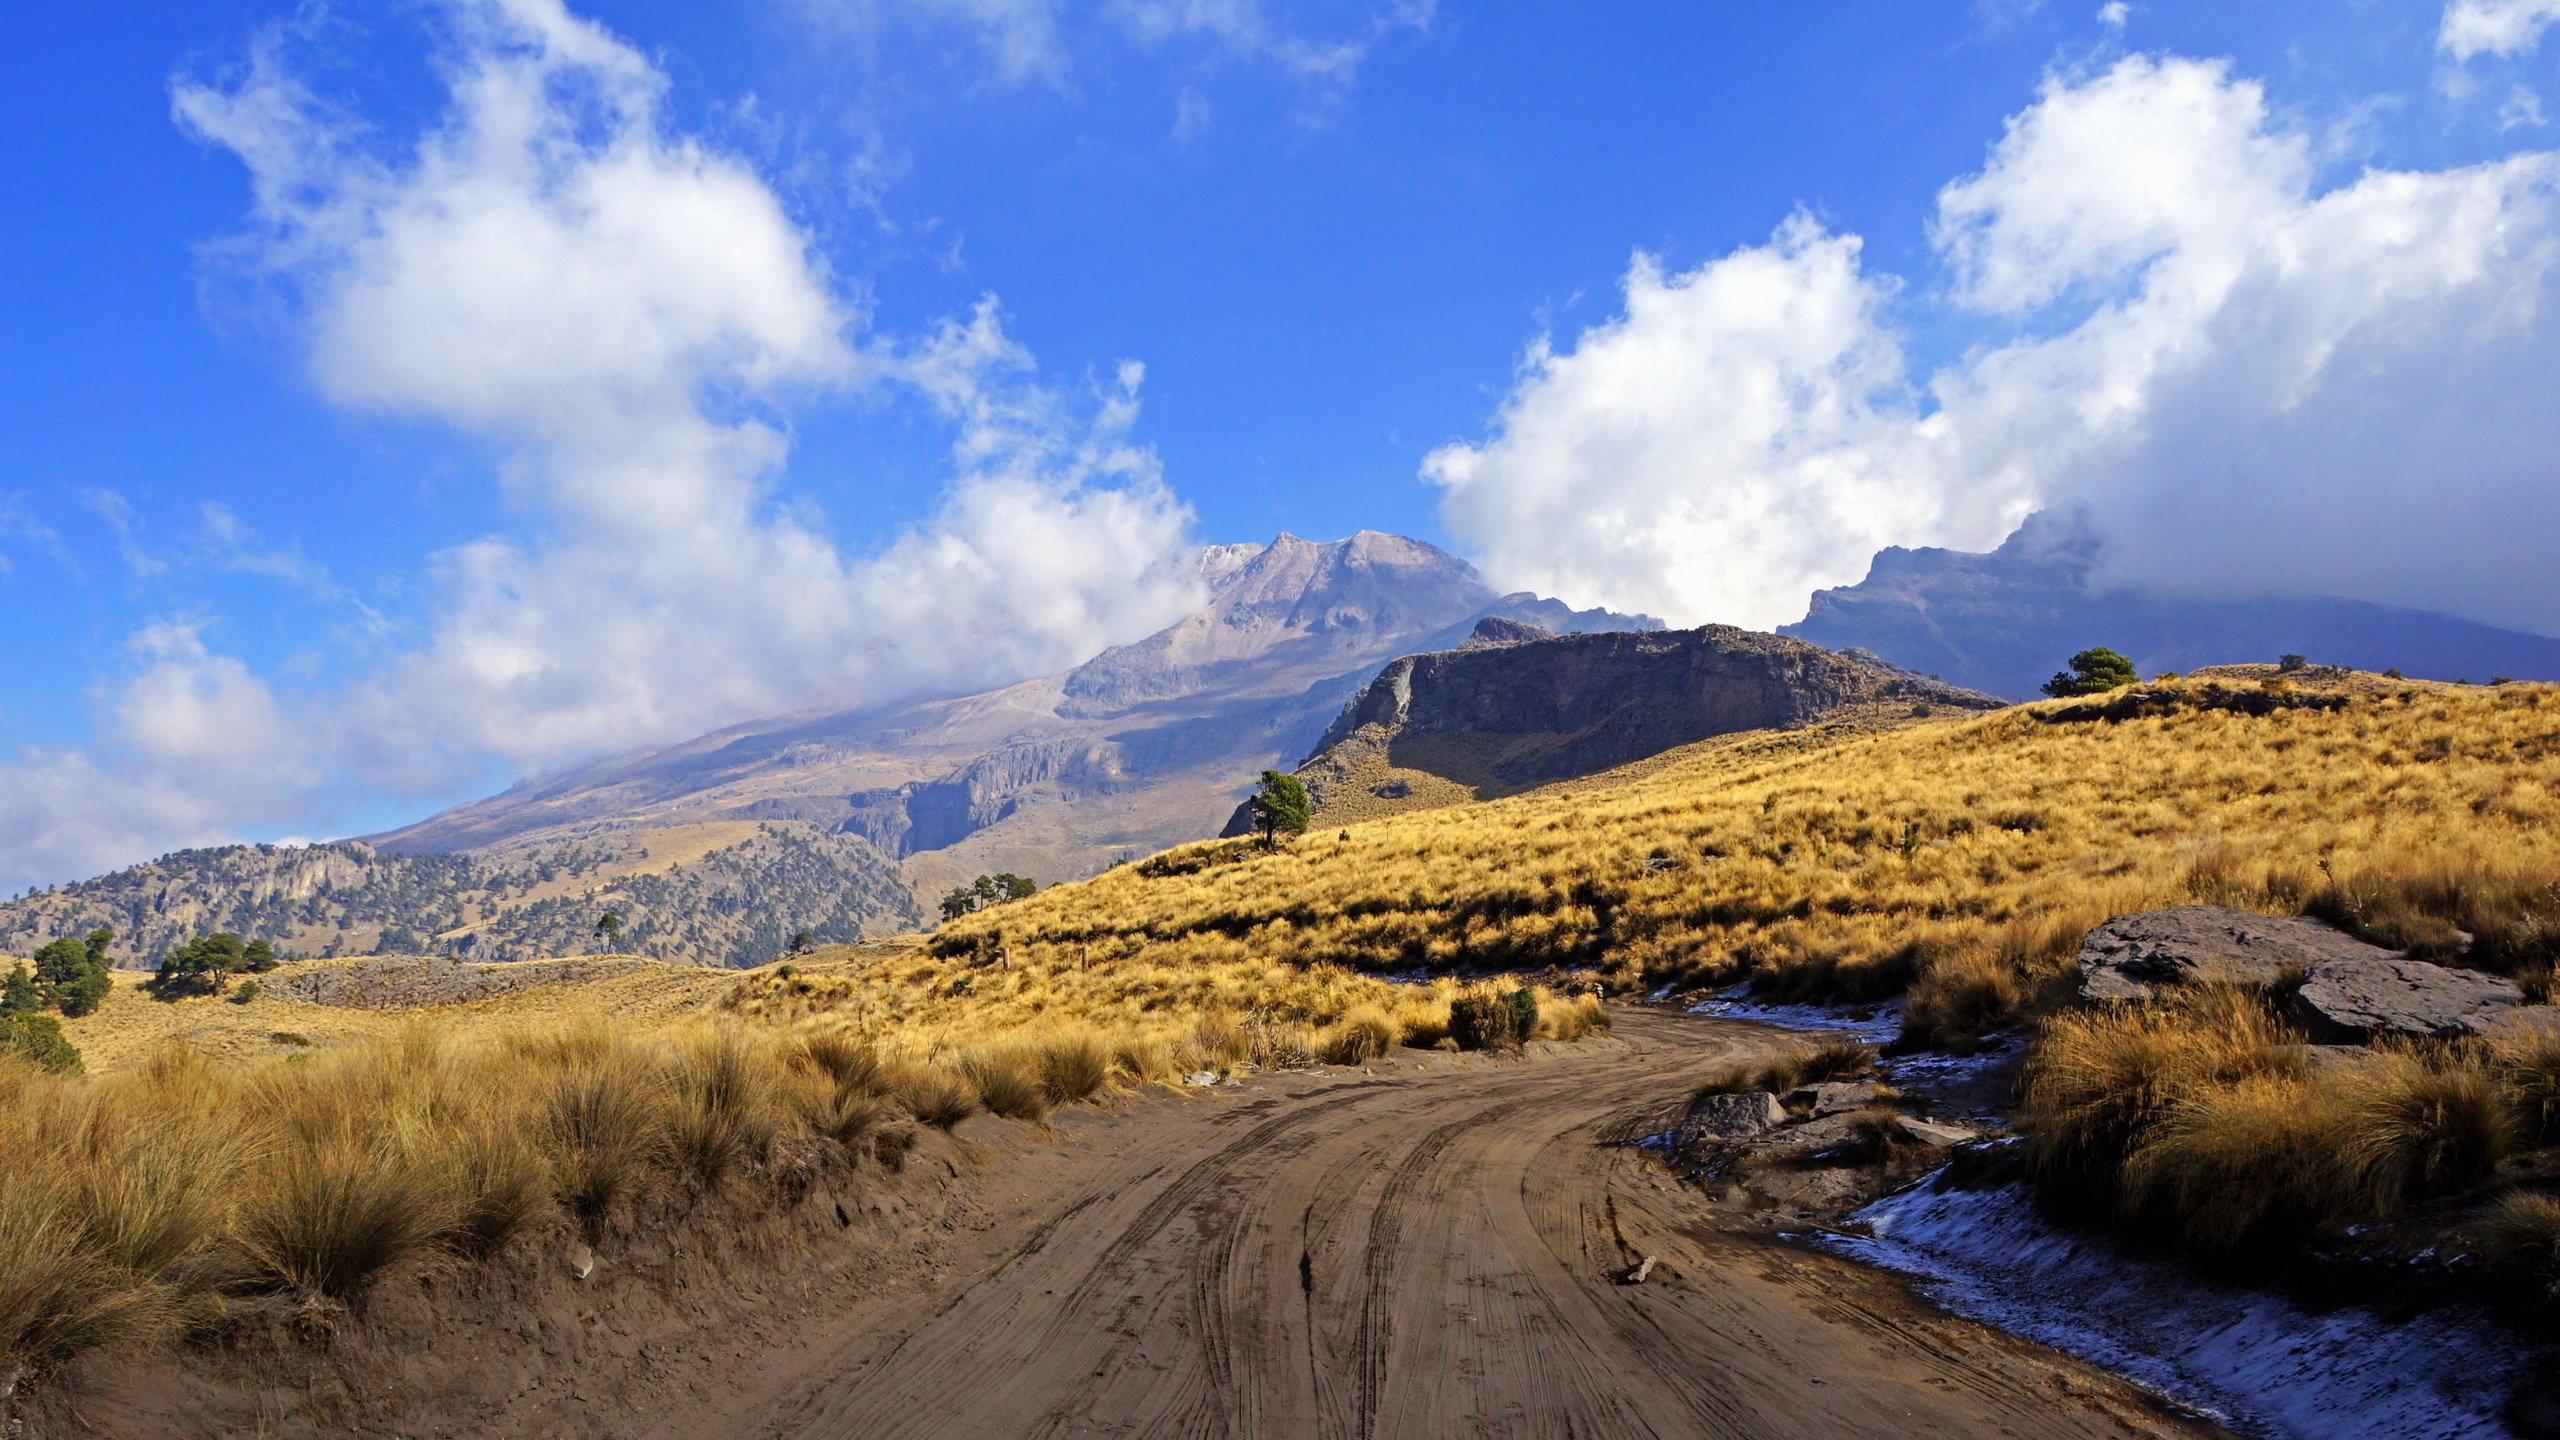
<point>933,1095</point>
<point>1960,997</point>
<point>1574,1019</point>
<point>2101,1080</point>
<point>1281,1044</point>
<point>723,1110</point>
<point>331,1216</point>
<point>1220,1041</point>
<point>1074,1066</point>
<point>846,1059</point>
<point>1007,1083</point>
<point>249,990</point>
<point>500,1180</point>
<point>2523,1228</point>
<point>1523,1004</point>
<point>602,1131</point>
<point>1482,1021</point>
<point>2528,1066</point>
<point>1360,1037</point>
<point>57,1300</point>
<point>1808,1065</point>
<point>2424,1123</point>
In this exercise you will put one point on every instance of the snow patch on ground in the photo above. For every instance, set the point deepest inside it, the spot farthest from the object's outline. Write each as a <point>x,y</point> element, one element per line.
<point>1875,1024</point>
<point>2246,1358</point>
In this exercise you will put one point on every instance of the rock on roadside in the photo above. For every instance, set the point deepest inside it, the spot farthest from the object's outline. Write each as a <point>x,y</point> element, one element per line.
<point>1832,1097</point>
<point>2348,1001</point>
<point>2132,957</point>
<point>1735,1117</point>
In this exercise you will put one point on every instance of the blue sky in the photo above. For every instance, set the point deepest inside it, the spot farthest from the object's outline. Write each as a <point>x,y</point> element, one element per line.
<point>273,563</point>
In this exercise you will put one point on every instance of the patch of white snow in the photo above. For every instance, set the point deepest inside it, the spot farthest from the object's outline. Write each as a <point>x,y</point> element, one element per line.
<point>2247,1358</point>
<point>1875,1024</point>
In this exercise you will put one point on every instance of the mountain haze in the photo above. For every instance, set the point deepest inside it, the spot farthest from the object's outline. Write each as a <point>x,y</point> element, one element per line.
<point>1145,745</point>
<point>2006,620</point>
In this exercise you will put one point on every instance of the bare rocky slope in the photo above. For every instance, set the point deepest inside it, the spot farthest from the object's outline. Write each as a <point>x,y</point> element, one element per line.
<point>1517,706</point>
<point>2004,621</point>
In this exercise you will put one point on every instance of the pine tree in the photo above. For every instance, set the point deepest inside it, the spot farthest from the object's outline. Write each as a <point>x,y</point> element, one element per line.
<point>1281,807</point>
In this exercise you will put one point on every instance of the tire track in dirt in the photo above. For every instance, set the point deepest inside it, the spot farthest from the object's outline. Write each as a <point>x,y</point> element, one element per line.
<point>1421,1254</point>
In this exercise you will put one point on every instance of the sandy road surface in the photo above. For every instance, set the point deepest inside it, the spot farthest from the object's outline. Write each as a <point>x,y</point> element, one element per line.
<point>1414,1254</point>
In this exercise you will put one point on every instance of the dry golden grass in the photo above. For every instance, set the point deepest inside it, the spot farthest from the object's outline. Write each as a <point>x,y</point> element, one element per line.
<point>2207,1113</point>
<point>1960,861</point>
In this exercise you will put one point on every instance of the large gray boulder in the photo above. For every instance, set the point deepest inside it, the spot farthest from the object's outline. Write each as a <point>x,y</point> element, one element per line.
<point>2134,957</point>
<point>2350,1001</point>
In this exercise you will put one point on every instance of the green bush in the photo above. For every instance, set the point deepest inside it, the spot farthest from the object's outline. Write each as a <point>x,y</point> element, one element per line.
<point>1493,1021</point>
<point>1523,1004</point>
<point>37,1038</point>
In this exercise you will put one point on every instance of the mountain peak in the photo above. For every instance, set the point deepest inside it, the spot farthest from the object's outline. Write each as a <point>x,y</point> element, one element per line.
<point>1294,602</point>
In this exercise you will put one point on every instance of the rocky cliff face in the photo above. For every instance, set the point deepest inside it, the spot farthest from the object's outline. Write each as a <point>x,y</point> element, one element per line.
<point>2006,620</point>
<point>1514,707</point>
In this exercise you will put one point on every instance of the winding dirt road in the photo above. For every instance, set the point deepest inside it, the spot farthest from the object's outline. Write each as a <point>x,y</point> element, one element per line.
<point>1421,1253</point>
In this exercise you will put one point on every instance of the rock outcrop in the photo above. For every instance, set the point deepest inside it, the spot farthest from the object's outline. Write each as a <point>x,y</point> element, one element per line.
<point>2345,992</point>
<point>2131,957</point>
<point>2350,1001</point>
<point>1513,708</point>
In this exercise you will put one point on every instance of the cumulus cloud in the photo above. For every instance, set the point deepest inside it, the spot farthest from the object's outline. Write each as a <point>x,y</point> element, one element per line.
<point>2248,382</point>
<point>1739,434</point>
<point>624,315</point>
<point>2495,27</point>
<point>191,745</point>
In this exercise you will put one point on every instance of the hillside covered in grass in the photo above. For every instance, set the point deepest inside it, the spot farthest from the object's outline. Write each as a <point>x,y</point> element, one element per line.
<point>1959,860</point>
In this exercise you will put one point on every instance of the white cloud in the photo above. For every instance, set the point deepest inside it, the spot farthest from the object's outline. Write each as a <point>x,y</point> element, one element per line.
<point>2249,383</point>
<point>191,746</point>
<point>623,313</point>
<point>1739,436</point>
<point>2114,14</point>
<point>2495,27</point>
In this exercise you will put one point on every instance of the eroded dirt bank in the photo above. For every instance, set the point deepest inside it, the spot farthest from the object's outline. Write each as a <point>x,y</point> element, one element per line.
<point>1410,1255</point>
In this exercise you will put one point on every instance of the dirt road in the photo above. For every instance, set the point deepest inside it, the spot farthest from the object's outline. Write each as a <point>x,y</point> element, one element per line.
<point>1408,1254</point>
